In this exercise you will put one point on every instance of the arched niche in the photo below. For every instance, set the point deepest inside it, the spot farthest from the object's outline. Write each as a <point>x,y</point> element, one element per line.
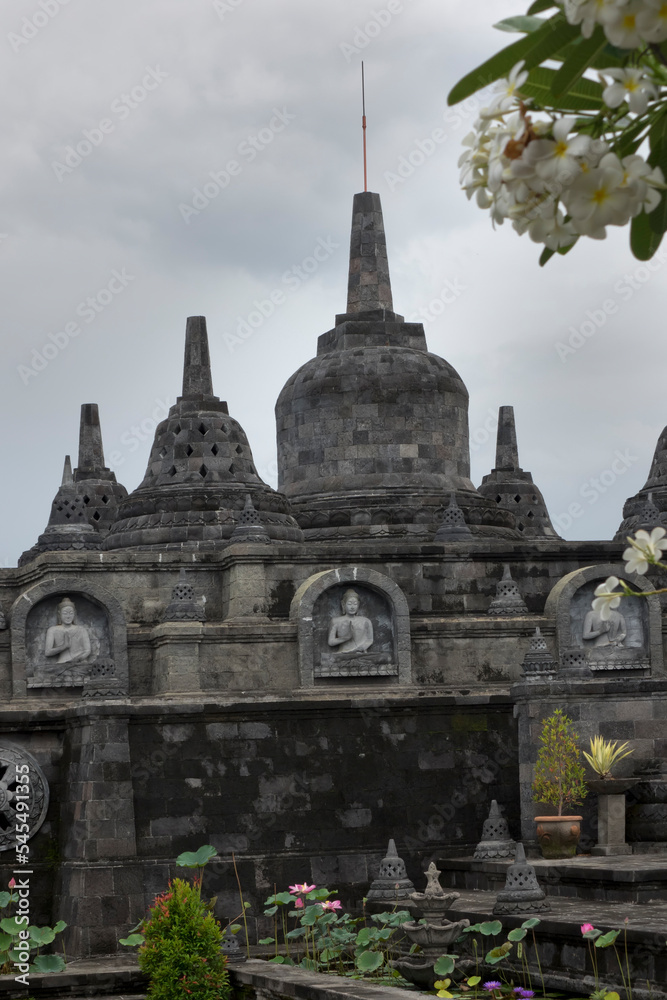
<point>333,648</point>
<point>98,614</point>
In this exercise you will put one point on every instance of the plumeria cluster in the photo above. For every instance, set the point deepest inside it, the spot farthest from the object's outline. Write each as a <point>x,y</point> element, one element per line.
<point>628,24</point>
<point>549,179</point>
<point>643,551</point>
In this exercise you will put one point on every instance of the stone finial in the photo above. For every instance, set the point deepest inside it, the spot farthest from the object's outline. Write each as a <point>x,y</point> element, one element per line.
<point>67,472</point>
<point>249,527</point>
<point>91,452</point>
<point>496,841</point>
<point>392,882</point>
<point>522,893</point>
<point>508,599</point>
<point>453,527</point>
<point>369,287</point>
<point>434,902</point>
<point>538,660</point>
<point>197,380</point>
<point>183,606</point>
<point>507,451</point>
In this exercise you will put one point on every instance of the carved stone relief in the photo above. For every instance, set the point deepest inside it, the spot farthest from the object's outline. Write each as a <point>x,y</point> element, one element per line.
<point>353,622</point>
<point>64,637</point>
<point>21,779</point>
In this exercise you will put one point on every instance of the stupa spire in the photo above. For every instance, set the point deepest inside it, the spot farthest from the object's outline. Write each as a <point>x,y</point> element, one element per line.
<point>507,452</point>
<point>67,472</point>
<point>91,452</point>
<point>369,285</point>
<point>197,379</point>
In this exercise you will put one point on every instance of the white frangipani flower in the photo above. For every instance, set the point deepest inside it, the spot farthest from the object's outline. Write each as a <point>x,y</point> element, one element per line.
<point>620,25</point>
<point>556,159</point>
<point>554,232</point>
<point>631,85</point>
<point>652,21</point>
<point>597,198</point>
<point>606,597</point>
<point>587,13</point>
<point>507,88</point>
<point>645,549</point>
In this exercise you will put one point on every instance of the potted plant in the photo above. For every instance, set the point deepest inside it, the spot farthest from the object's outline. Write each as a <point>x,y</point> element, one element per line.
<point>603,757</point>
<point>559,781</point>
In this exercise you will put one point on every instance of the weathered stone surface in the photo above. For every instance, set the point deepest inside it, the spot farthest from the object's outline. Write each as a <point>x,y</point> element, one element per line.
<point>508,599</point>
<point>522,892</point>
<point>496,841</point>
<point>648,508</point>
<point>512,488</point>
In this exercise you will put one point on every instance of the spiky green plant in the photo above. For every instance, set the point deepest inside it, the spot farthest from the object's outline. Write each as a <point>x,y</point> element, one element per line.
<point>604,755</point>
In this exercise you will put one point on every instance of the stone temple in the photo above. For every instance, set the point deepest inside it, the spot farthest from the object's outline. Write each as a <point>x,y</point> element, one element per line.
<point>298,675</point>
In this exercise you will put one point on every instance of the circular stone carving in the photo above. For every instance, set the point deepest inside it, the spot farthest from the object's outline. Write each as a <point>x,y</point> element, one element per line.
<point>10,757</point>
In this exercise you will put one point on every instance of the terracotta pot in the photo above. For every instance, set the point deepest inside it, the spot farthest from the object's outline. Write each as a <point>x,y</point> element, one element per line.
<point>558,835</point>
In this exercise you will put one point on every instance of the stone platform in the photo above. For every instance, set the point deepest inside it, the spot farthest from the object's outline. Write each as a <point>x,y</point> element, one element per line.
<point>618,879</point>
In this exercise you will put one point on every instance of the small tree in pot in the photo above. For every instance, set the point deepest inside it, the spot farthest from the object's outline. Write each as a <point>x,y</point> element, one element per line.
<point>559,781</point>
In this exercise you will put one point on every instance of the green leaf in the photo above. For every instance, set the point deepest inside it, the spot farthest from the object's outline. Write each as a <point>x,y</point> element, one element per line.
<point>59,927</point>
<point>271,910</point>
<point>308,963</point>
<point>42,935</point>
<point>644,242</point>
<point>540,5</point>
<point>585,95</point>
<point>4,898</point>
<point>266,941</point>
<point>132,940</point>
<point>490,927</point>
<point>498,954</point>
<point>9,926</point>
<point>296,933</point>
<point>573,68</point>
<point>522,23</point>
<point>533,49</point>
<point>48,963</point>
<point>518,934</point>
<point>606,939</point>
<point>369,961</point>
<point>5,942</point>
<point>310,915</point>
<point>630,139</point>
<point>277,959</point>
<point>445,965</point>
<point>531,922</point>
<point>196,859</point>
<point>473,981</point>
<point>364,935</point>
<point>284,898</point>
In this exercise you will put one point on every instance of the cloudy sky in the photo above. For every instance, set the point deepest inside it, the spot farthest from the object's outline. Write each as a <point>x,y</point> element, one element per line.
<point>117,118</point>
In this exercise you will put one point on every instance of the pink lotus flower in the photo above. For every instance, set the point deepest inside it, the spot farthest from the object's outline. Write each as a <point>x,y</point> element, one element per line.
<point>11,883</point>
<point>299,904</point>
<point>331,904</point>
<point>304,887</point>
<point>585,928</point>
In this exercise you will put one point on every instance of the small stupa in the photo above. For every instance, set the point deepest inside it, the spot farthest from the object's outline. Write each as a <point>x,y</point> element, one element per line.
<point>538,661</point>
<point>496,841</point>
<point>508,599</point>
<point>522,893</point>
<point>392,882</point>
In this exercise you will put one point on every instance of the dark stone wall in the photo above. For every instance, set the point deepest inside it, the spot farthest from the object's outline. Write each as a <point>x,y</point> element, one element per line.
<point>313,791</point>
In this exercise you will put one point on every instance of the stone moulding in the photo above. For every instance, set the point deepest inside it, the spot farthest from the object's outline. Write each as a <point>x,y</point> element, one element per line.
<point>71,588</point>
<point>577,657</point>
<point>303,607</point>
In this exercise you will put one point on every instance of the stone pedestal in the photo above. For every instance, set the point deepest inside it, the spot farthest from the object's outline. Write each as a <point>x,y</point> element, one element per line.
<point>611,826</point>
<point>176,656</point>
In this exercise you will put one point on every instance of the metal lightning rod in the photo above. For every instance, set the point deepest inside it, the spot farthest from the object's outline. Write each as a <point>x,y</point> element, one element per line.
<point>363,122</point>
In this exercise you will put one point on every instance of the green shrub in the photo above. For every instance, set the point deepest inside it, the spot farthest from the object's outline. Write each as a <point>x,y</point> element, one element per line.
<point>181,950</point>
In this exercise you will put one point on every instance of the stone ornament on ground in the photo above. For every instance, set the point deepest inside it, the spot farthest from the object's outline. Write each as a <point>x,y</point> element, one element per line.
<point>522,892</point>
<point>14,763</point>
<point>496,841</point>
<point>392,882</point>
